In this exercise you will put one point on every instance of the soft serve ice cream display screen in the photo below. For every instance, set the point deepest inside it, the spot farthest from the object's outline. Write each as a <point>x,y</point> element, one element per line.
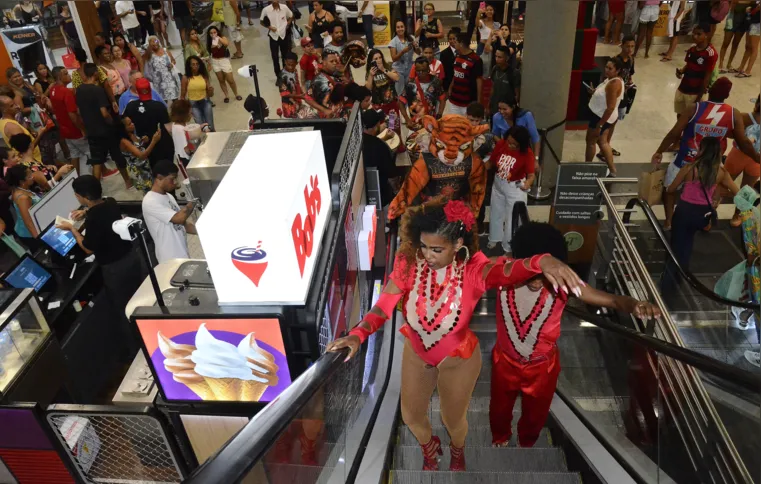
<point>222,360</point>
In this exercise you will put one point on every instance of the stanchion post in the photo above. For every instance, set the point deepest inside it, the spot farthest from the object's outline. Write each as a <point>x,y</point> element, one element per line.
<point>537,192</point>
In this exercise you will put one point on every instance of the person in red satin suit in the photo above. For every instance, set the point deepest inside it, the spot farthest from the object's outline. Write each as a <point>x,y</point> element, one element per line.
<point>525,359</point>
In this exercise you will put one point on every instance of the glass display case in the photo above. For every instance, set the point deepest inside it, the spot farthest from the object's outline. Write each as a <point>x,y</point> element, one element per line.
<point>23,330</point>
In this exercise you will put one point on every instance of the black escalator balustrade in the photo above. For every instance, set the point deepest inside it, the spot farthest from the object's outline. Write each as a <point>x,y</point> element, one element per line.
<point>704,318</point>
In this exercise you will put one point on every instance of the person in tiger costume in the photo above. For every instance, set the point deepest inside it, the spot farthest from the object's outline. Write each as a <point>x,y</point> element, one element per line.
<point>449,167</point>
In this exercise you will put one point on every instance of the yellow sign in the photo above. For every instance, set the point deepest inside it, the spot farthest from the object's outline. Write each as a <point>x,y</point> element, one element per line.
<point>382,24</point>
<point>661,28</point>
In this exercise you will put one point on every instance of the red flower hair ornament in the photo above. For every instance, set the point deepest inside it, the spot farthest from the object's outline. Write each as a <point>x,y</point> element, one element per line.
<point>457,211</point>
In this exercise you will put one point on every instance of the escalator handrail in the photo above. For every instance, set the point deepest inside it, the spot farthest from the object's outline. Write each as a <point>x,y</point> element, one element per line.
<point>731,373</point>
<point>691,279</point>
<point>241,453</point>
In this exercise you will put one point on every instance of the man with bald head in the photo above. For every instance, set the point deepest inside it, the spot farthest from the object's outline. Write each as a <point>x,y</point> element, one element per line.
<point>9,126</point>
<point>131,94</point>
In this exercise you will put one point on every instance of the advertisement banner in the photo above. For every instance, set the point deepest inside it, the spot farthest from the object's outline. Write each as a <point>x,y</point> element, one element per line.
<point>223,360</point>
<point>382,28</point>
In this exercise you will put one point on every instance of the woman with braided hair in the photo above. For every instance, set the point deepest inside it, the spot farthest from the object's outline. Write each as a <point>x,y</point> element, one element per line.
<point>439,275</point>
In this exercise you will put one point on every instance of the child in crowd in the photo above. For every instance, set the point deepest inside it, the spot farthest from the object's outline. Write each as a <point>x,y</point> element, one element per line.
<point>41,174</point>
<point>525,358</point>
<point>437,68</point>
<point>309,63</point>
<point>291,93</point>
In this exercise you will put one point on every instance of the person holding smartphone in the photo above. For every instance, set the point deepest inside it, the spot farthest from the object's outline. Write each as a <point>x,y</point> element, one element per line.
<point>429,29</point>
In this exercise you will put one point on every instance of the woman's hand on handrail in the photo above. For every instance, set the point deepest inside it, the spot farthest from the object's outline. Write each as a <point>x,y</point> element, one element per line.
<point>351,341</point>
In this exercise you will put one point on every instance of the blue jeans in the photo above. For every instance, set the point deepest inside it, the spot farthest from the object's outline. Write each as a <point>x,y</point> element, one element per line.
<point>367,24</point>
<point>202,112</point>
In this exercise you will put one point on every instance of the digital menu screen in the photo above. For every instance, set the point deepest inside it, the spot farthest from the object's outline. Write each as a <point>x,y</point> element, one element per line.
<point>59,240</point>
<point>225,360</point>
<point>27,274</point>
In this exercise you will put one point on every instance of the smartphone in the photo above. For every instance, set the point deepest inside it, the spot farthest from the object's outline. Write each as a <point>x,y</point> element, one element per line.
<point>482,6</point>
<point>425,18</point>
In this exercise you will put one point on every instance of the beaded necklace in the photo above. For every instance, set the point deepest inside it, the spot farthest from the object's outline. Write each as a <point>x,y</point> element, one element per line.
<point>436,302</point>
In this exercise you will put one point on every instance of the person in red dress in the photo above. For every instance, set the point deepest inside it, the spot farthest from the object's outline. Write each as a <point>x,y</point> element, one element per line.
<point>525,359</point>
<point>439,275</point>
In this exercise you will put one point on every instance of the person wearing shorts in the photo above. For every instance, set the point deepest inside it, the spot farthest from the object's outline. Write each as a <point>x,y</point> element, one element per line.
<point>703,16</point>
<point>647,18</point>
<point>752,40</point>
<point>217,45</point>
<point>700,62</point>
<point>182,13</point>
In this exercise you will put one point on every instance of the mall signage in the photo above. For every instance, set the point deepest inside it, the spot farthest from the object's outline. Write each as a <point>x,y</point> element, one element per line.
<point>261,231</point>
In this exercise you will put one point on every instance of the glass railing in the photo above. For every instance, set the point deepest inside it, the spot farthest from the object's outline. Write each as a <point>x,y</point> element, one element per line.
<point>636,404</point>
<point>711,324</point>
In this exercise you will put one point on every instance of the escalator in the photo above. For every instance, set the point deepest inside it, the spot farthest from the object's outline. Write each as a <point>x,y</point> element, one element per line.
<point>629,407</point>
<point>705,319</point>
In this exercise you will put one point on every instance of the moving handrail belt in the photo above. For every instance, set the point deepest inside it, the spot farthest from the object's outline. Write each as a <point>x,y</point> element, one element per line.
<point>691,279</point>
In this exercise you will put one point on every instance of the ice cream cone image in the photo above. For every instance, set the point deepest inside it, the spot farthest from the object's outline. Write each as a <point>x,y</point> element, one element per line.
<point>177,362</point>
<point>225,389</point>
<point>263,369</point>
<point>196,383</point>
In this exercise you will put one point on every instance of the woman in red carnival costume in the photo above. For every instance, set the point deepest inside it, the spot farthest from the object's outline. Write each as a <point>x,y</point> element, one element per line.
<point>439,275</point>
<point>525,358</point>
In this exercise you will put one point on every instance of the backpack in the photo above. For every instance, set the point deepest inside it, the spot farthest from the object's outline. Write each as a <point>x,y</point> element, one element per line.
<point>720,10</point>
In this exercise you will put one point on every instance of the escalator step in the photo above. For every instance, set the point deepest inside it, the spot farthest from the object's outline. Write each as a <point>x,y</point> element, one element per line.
<point>446,477</point>
<point>487,459</point>
<point>477,437</point>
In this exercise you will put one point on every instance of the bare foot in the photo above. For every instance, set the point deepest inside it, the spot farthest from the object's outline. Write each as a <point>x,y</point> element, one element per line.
<point>666,59</point>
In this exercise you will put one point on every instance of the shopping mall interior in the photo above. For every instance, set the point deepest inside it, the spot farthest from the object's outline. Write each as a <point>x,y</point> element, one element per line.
<point>579,179</point>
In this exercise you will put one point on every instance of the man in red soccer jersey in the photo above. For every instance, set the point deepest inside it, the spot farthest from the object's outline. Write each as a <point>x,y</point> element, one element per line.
<point>467,80</point>
<point>525,359</point>
<point>713,118</point>
<point>696,74</point>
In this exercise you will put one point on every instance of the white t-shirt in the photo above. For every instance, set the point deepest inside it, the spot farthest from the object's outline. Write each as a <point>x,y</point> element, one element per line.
<point>180,141</point>
<point>169,238</point>
<point>129,21</point>
<point>369,9</point>
<point>278,19</point>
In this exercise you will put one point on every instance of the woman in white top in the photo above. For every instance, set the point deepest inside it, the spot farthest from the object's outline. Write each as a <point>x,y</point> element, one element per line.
<point>603,104</point>
<point>486,25</point>
<point>181,115</point>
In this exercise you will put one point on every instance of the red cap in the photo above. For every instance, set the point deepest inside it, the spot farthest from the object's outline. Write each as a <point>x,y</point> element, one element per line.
<point>143,87</point>
<point>306,41</point>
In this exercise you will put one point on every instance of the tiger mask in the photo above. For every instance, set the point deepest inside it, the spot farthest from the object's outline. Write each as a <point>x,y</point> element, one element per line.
<point>452,137</point>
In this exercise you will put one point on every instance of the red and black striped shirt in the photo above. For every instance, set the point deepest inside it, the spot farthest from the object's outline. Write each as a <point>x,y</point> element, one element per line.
<point>699,62</point>
<point>467,68</point>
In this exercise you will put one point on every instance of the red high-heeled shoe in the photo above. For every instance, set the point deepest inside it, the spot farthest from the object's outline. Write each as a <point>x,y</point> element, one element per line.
<point>430,452</point>
<point>457,461</point>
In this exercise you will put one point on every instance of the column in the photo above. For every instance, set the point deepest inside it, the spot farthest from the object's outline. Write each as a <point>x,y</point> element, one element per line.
<point>86,19</point>
<point>547,63</point>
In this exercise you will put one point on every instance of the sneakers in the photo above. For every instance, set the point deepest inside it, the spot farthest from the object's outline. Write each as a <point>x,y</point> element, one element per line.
<point>108,173</point>
<point>753,357</point>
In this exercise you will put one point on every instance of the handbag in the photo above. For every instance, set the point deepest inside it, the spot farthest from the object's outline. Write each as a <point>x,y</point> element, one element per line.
<point>70,60</point>
<point>720,10</point>
<point>13,245</point>
<point>714,215</point>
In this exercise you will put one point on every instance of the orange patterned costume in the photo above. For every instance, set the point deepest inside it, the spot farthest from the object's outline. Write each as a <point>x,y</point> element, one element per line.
<point>450,167</point>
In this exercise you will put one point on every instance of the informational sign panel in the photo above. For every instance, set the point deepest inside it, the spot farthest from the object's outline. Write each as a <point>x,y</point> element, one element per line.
<point>577,195</point>
<point>262,231</point>
<point>576,210</point>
